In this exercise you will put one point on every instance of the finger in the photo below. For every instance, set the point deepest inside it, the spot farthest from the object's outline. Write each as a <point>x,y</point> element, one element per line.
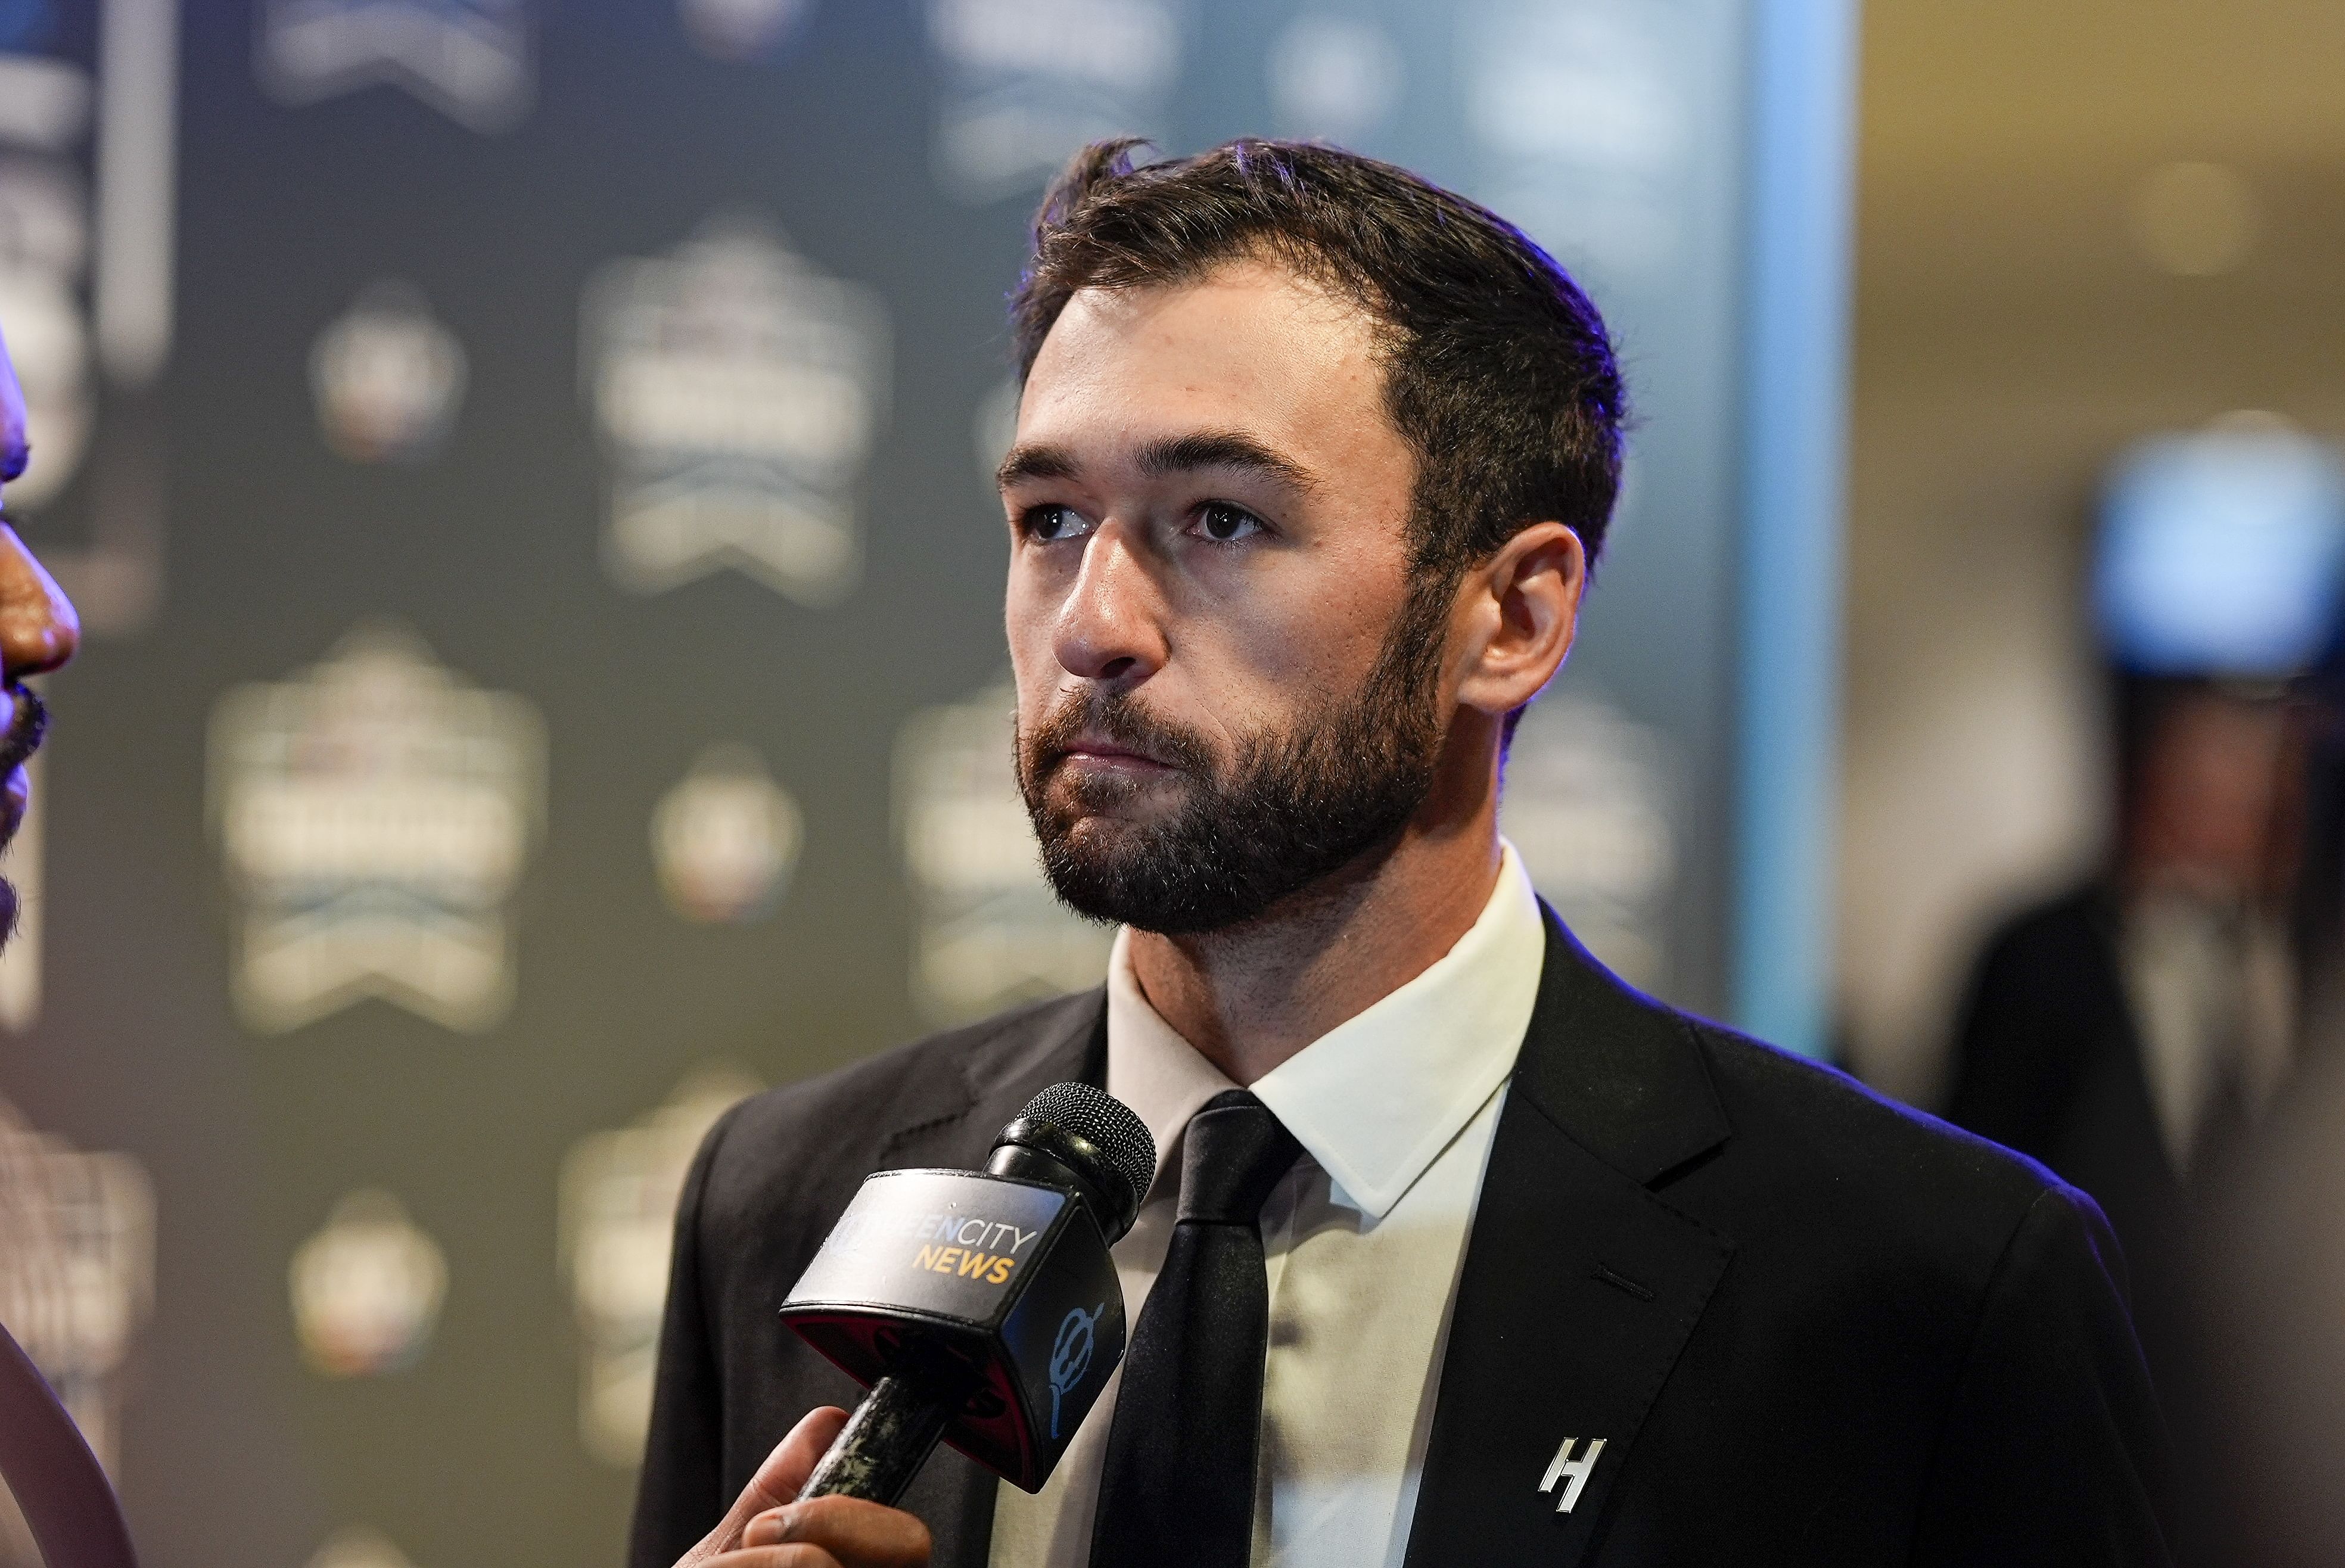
<point>779,1557</point>
<point>777,1481</point>
<point>851,1529</point>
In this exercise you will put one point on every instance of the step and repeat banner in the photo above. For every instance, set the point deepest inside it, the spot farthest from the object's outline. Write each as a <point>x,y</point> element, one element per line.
<point>524,466</point>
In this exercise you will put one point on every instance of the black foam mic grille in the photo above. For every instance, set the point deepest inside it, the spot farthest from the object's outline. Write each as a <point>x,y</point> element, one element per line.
<point>1112,1125</point>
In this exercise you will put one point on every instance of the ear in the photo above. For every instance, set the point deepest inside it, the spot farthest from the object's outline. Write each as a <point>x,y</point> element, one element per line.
<point>1519,610</point>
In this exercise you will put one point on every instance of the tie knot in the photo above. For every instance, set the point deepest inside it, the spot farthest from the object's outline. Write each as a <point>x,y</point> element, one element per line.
<point>1235,1151</point>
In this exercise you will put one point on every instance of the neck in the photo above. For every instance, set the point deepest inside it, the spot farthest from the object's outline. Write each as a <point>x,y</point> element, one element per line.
<point>1247,998</point>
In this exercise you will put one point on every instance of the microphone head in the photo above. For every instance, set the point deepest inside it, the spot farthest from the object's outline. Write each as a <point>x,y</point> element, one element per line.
<point>1097,1137</point>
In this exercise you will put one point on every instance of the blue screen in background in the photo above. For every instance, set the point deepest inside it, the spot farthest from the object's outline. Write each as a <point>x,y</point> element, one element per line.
<point>2222,553</point>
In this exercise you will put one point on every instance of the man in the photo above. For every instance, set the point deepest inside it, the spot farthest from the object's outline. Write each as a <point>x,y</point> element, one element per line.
<point>2132,1032</point>
<point>1460,1252</point>
<point>55,1479</point>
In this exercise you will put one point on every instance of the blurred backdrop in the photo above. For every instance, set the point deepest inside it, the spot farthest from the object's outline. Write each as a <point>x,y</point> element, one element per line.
<point>525,470</point>
<point>2078,225</point>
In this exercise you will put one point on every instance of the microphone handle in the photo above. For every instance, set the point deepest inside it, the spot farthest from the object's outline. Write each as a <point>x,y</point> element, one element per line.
<point>885,1441</point>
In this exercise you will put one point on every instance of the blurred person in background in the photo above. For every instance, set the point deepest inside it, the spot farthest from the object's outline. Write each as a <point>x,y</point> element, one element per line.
<point>2129,1032</point>
<point>56,1482</point>
<point>2268,1253</point>
<point>2141,1034</point>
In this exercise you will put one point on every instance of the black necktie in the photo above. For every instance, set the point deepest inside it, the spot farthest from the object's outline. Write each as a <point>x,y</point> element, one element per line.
<point>1177,1488</point>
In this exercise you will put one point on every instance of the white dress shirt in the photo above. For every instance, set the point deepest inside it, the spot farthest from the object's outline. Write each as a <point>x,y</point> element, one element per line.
<point>1395,1109</point>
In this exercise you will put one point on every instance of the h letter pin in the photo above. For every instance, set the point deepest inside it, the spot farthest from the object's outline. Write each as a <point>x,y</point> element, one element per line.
<point>1572,1473</point>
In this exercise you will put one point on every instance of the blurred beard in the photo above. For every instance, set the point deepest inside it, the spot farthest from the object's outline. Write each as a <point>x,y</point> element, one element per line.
<point>29,722</point>
<point>1292,806</point>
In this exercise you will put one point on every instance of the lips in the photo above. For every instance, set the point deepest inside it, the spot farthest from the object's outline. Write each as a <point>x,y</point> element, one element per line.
<point>1103,746</point>
<point>1088,749</point>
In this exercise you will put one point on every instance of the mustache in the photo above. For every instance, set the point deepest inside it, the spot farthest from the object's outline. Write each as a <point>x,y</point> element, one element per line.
<point>1118,717</point>
<point>29,722</point>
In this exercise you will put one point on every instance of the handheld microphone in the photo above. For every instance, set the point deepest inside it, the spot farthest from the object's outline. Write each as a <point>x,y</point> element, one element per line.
<point>979,1307</point>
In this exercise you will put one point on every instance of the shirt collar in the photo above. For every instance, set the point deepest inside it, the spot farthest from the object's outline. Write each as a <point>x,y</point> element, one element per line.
<point>1376,1099</point>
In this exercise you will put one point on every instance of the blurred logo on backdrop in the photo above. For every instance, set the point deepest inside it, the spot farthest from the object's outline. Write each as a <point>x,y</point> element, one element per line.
<point>739,393</point>
<point>86,201</point>
<point>76,1282</point>
<point>726,838</point>
<point>1027,82</point>
<point>739,29</point>
<point>358,1547</point>
<point>366,1289</point>
<point>993,429</point>
<point>1588,807</point>
<point>470,60</point>
<point>1334,75</point>
<point>988,930</point>
<point>375,813</point>
<point>1582,108</point>
<point>619,1193</point>
<point>387,377</point>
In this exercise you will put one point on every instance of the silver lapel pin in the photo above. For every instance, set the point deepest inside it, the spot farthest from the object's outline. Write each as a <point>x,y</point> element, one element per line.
<point>1572,1472</point>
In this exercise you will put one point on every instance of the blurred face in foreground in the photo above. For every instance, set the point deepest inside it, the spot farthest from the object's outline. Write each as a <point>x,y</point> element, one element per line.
<point>38,632</point>
<point>1232,680</point>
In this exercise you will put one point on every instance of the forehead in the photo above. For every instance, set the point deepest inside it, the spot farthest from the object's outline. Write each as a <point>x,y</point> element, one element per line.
<point>1250,347</point>
<point>12,420</point>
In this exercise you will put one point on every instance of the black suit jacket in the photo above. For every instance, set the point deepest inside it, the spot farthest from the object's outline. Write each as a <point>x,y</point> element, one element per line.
<point>1811,1327</point>
<point>2048,1060</point>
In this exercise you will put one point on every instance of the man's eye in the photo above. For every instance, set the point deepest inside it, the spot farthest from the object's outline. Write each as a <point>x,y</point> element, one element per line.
<point>1047,523</point>
<point>1223,523</point>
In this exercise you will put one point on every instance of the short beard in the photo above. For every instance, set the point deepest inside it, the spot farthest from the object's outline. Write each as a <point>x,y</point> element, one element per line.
<point>29,721</point>
<point>1291,809</point>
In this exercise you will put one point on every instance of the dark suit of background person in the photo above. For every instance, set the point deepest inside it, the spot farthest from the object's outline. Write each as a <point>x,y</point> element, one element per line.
<point>2129,1032</point>
<point>2266,1252</point>
<point>1812,1327</point>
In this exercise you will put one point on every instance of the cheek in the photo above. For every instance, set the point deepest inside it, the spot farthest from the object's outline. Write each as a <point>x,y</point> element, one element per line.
<point>1034,672</point>
<point>1025,621</point>
<point>1308,634</point>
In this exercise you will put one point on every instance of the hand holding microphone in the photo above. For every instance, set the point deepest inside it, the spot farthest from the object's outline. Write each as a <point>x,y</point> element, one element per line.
<point>765,1529</point>
<point>979,1307</point>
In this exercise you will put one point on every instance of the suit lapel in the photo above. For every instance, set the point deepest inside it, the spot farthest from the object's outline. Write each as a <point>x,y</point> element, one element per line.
<point>1581,1287</point>
<point>950,1122</point>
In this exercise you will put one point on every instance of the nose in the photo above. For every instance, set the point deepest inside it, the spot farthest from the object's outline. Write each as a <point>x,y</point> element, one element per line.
<point>38,628</point>
<point>1108,628</point>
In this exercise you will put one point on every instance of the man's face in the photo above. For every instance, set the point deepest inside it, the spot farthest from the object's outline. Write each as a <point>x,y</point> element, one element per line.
<point>1226,689</point>
<point>38,632</point>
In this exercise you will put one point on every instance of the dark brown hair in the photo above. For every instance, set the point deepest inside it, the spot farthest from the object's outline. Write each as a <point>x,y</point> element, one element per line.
<point>1497,369</point>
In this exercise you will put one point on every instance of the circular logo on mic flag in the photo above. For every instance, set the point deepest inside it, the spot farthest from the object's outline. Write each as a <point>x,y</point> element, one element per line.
<point>1071,1355</point>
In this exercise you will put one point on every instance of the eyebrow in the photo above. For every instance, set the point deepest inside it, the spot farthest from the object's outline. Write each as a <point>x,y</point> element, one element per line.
<point>1166,455</point>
